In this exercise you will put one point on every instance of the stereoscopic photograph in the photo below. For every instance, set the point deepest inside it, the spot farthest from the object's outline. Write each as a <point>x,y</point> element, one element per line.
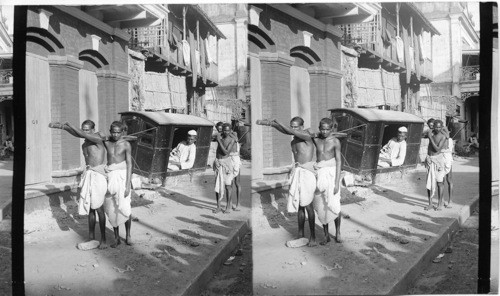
<point>333,148</point>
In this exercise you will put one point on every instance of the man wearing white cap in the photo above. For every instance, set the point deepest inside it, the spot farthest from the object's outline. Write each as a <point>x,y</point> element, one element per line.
<point>182,157</point>
<point>394,152</point>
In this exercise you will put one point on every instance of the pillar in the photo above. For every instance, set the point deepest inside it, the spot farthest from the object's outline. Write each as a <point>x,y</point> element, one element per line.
<point>64,86</point>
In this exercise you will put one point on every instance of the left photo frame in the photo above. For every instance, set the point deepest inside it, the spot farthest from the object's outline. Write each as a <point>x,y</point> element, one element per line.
<point>134,128</point>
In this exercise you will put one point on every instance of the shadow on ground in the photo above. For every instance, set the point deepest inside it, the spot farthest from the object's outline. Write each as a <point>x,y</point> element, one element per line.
<point>162,253</point>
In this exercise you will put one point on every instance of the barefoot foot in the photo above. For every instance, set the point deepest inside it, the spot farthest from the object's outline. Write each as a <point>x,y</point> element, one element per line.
<point>103,245</point>
<point>326,241</point>
<point>217,210</point>
<point>338,239</point>
<point>128,240</point>
<point>312,243</point>
<point>116,244</point>
<point>236,209</point>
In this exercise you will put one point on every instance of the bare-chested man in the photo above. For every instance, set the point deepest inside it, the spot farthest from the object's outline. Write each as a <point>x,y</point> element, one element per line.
<point>225,167</point>
<point>302,178</point>
<point>448,153</point>
<point>327,197</point>
<point>436,165</point>
<point>117,202</point>
<point>93,185</point>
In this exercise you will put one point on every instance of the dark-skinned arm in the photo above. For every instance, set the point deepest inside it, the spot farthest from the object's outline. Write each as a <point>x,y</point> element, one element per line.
<point>105,137</point>
<point>439,145</point>
<point>128,160</point>
<point>81,134</point>
<point>225,150</point>
<point>303,135</point>
<point>338,166</point>
<point>425,134</point>
<point>445,132</point>
<point>58,125</point>
<point>221,145</point>
<point>234,135</point>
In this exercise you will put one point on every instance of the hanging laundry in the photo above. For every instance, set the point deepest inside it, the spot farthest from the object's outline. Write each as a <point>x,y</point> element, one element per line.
<point>406,42</point>
<point>421,48</point>
<point>186,53</point>
<point>212,48</point>
<point>203,63</point>
<point>172,40</point>
<point>400,49</point>
<point>194,64</point>
<point>208,56</point>
<point>417,58</point>
<point>198,61</point>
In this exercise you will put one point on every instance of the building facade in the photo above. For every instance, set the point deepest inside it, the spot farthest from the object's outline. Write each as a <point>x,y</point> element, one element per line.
<point>295,70</point>
<point>174,64</point>
<point>456,67</point>
<point>76,69</point>
<point>387,61</point>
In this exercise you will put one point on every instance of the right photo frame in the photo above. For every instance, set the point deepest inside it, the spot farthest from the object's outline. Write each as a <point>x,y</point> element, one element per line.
<point>369,174</point>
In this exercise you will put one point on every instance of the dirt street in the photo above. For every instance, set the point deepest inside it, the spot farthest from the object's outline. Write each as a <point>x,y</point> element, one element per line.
<point>235,276</point>
<point>5,258</point>
<point>176,238</point>
<point>385,231</point>
<point>456,272</point>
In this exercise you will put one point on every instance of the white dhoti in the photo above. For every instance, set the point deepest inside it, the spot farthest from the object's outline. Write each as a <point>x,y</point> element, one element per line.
<point>448,156</point>
<point>235,158</point>
<point>302,186</point>
<point>93,187</point>
<point>226,169</point>
<point>117,205</point>
<point>437,168</point>
<point>326,203</point>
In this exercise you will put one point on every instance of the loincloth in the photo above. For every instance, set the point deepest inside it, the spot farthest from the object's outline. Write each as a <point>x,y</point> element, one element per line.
<point>225,172</point>
<point>117,205</point>
<point>93,187</point>
<point>235,156</point>
<point>302,186</point>
<point>436,170</point>
<point>326,203</point>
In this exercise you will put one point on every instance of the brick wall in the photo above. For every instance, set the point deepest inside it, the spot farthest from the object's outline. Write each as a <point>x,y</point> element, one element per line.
<point>65,96</point>
<point>75,36</point>
<point>325,78</point>
<point>276,104</point>
<point>287,33</point>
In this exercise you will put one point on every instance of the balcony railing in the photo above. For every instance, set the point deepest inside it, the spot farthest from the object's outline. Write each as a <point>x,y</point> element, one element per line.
<point>369,36</point>
<point>366,34</point>
<point>470,73</point>
<point>6,76</point>
<point>156,37</point>
<point>149,36</point>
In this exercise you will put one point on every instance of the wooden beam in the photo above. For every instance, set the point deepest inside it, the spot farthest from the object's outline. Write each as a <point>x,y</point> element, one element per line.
<point>136,23</point>
<point>397,19</point>
<point>411,33</point>
<point>337,13</point>
<point>125,16</point>
<point>349,19</point>
<point>184,11</point>
<point>94,8</point>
